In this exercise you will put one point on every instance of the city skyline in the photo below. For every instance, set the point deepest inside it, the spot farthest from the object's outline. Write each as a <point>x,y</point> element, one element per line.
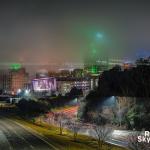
<point>61,31</point>
<point>74,74</point>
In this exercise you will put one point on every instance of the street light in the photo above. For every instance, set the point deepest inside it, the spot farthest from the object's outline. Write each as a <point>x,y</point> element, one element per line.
<point>26,92</point>
<point>18,91</point>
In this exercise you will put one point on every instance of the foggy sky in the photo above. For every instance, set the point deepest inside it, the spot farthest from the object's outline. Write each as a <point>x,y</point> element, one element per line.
<point>43,31</point>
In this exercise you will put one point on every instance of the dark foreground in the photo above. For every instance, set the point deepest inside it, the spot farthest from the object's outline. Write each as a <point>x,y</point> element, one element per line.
<point>16,137</point>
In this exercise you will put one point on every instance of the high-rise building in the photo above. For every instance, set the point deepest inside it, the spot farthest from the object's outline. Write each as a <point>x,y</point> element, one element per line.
<point>64,85</point>
<point>98,66</point>
<point>19,79</point>
<point>5,80</point>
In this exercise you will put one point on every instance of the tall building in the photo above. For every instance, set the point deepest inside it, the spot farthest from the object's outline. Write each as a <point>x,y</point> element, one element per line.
<point>19,79</point>
<point>98,66</point>
<point>5,80</point>
<point>44,84</point>
<point>64,85</point>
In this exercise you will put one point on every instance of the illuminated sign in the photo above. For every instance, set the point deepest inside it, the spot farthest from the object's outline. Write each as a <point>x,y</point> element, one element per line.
<point>44,84</point>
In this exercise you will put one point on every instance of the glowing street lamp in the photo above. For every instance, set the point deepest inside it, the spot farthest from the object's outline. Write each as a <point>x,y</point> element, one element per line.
<point>19,91</point>
<point>26,92</point>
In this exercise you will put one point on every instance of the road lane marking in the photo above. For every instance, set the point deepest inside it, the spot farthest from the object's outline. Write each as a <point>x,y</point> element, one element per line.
<point>19,136</point>
<point>32,147</point>
<point>35,133</point>
<point>4,140</point>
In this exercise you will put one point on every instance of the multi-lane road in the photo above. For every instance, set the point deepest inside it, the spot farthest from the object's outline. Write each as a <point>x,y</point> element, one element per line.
<point>118,137</point>
<point>15,137</point>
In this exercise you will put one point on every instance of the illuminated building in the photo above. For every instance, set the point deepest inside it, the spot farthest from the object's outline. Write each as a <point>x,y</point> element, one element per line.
<point>84,85</point>
<point>127,66</point>
<point>42,73</point>
<point>97,67</point>
<point>53,74</point>
<point>64,85</point>
<point>5,80</point>
<point>65,73</point>
<point>19,79</point>
<point>13,79</point>
<point>47,84</point>
<point>78,73</point>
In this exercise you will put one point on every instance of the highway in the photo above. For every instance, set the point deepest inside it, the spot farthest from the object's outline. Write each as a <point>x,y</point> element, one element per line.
<point>118,140</point>
<point>118,137</point>
<point>15,137</point>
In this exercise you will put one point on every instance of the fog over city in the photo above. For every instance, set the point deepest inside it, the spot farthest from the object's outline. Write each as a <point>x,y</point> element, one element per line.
<point>37,31</point>
<point>74,74</point>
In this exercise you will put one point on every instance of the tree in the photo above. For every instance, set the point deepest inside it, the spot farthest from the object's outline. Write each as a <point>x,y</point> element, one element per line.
<point>102,132</point>
<point>74,126</point>
<point>32,108</point>
<point>74,92</point>
<point>50,116</point>
<point>61,119</point>
<point>123,105</point>
<point>129,85</point>
<point>138,117</point>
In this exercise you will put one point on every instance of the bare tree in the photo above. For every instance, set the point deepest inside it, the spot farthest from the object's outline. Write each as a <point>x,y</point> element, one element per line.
<point>74,126</point>
<point>50,117</point>
<point>123,104</point>
<point>61,120</point>
<point>102,134</point>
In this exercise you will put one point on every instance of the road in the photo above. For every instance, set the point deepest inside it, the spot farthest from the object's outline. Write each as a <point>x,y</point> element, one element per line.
<point>118,137</point>
<point>118,140</point>
<point>15,137</point>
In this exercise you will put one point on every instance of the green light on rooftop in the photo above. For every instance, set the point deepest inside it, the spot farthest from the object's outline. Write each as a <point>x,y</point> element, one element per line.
<point>15,66</point>
<point>94,70</point>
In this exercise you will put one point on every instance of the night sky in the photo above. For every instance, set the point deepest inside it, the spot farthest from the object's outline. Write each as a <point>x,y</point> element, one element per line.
<point>44,31</point>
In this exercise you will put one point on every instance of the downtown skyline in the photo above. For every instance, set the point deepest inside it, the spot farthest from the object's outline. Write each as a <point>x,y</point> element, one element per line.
<point>41,32</point>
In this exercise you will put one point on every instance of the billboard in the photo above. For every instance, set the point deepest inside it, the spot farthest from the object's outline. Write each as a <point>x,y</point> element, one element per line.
<point>44,84</point>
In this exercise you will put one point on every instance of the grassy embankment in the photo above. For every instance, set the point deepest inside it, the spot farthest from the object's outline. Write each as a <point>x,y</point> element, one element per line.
<point>65,141</point>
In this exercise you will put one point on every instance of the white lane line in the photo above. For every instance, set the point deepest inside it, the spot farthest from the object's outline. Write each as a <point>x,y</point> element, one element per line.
<point>32,147</point>
<point>21,137</point>
<point>13,131</point>
<point>4,140</point>
<point>35,133</point>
